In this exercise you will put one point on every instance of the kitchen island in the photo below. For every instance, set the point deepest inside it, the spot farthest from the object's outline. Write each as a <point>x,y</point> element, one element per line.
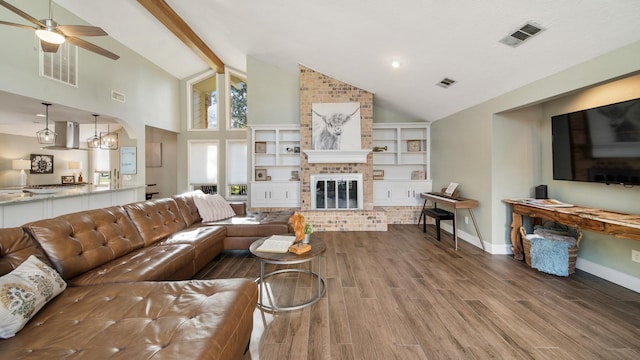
<point>21,205</point>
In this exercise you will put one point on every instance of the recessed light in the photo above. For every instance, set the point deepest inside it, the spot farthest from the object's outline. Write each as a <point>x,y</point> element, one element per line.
<point>395,64</point>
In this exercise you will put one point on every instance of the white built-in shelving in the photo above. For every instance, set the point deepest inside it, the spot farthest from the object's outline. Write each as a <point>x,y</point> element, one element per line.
<point>404,163</point>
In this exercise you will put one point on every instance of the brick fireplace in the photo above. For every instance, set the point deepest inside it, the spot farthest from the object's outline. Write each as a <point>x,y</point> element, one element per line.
<point>319,88</point>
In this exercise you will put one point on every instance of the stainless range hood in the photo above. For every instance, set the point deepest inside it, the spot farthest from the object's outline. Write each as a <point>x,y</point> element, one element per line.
<point>67,136</point>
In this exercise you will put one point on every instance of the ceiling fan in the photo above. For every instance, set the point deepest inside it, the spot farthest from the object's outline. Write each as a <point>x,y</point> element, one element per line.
<point>51,34</point>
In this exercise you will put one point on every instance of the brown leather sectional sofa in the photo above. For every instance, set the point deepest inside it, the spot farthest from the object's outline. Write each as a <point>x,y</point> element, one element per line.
<point>129,294</point>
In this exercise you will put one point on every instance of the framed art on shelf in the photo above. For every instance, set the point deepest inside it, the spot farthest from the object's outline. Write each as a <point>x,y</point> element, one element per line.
<point>261,147</point>
<point>378,174</point>
<point>414,145</point>
<point>261,174</point>
<point>69,179</point>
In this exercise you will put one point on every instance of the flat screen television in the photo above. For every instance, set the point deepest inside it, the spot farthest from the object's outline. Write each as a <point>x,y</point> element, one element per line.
<point>600,144</point>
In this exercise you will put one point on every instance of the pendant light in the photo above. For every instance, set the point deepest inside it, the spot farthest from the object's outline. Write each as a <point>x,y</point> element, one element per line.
<point>94,141</point>
<point>46,136</point>
<point>108,140</point>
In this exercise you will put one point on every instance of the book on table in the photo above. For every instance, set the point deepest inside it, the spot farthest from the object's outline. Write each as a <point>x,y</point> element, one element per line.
<point>277,244</point>
<point>547,203</point>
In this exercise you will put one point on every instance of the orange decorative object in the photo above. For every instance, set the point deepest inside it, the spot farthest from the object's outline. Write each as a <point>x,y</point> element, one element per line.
<point>297,221</point>
<point>299,248</point>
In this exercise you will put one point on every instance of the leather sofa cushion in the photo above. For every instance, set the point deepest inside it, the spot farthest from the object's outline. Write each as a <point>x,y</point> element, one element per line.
<point>198,319</point>
<point>156,219</point>
<point>207,242</point>
<point>15,247</point>
<point>153,263</point>
<point>78,242</point>
<point>270,223</point>
<point>188,208</point>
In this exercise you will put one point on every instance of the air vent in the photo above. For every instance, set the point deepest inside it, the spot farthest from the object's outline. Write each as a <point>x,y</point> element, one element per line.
<point>526,32</point>
<point>446,82</point>
<point>118,96</point>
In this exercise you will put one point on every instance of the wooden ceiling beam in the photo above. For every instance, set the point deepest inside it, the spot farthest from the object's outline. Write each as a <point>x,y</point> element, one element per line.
<point>169,18</point>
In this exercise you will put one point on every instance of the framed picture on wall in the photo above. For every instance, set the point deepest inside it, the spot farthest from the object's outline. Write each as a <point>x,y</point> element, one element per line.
<point>128,160</point>
<point>41,164</point>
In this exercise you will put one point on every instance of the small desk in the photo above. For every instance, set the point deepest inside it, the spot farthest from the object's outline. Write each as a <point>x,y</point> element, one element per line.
<point>455,203</point>
<point>318,247</point>
<point>603,221</point>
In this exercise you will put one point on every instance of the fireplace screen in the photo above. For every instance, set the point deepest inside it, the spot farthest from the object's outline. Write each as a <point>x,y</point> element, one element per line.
<point>337,193</point>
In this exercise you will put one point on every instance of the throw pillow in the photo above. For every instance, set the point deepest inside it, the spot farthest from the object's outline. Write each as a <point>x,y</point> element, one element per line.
<point>24,291</point>
<point>212,207</point>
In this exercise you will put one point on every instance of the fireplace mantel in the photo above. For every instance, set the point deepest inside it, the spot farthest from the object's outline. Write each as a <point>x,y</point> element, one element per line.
<point>336,156</point>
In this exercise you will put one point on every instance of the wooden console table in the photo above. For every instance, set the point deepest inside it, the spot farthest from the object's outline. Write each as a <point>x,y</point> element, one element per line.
<point>602,221</point>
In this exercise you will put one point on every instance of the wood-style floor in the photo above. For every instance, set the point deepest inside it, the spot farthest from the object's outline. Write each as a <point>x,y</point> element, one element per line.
<point>403,295</point>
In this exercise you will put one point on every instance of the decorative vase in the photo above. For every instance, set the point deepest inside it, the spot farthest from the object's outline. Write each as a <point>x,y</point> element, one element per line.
<point>307,238</point>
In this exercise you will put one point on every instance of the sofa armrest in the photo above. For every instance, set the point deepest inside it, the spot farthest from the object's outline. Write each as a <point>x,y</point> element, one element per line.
<point>240,208</point>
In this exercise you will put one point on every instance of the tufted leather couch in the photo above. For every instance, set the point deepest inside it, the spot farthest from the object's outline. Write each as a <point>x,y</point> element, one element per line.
<point>129,295</point>
<point>242,229</point>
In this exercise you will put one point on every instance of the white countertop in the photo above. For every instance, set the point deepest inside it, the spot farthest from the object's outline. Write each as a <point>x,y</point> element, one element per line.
<point>17,194</point>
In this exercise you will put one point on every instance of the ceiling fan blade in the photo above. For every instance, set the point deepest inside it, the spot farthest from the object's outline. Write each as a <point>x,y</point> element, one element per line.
<point>81,30</point>
<point>21,13</point>
<point>91,47</point>
<point>18,25</point>
<point>49,47</point>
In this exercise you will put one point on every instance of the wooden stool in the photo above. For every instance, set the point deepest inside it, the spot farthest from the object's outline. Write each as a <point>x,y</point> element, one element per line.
<point>438,214</point>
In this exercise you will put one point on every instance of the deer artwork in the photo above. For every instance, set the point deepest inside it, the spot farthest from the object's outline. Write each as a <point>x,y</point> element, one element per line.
<point>329,137</point>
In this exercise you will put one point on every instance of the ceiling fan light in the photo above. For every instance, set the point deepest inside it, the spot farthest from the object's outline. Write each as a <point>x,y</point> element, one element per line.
<point>50,36</point>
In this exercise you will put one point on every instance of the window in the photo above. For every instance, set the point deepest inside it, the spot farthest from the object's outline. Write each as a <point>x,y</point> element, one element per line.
<point>203,102</point>
<point>203,163</point>
<point>237,99</point>
<point>236,174</point>
<point>62,65</point>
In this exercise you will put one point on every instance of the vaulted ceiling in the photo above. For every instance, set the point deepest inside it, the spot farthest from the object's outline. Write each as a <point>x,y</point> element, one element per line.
<point>356,41</point>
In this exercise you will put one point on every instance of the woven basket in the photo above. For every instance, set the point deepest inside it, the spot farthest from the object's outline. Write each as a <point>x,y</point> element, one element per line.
<point>573,251</point>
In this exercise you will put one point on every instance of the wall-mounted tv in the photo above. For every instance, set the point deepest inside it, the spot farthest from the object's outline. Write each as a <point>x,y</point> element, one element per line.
<point>600,144</point>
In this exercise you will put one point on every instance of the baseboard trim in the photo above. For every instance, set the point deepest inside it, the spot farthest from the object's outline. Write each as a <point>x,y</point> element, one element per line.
<point>500,249</point>
<point>609,274</point>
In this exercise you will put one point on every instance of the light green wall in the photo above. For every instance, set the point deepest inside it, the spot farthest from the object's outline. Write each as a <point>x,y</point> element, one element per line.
<point>152,95</point>
<point>500,149</point>
<point>382,115</point>
<point>273,97</point>
<point>273,94</point>
<point>605,250</point>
